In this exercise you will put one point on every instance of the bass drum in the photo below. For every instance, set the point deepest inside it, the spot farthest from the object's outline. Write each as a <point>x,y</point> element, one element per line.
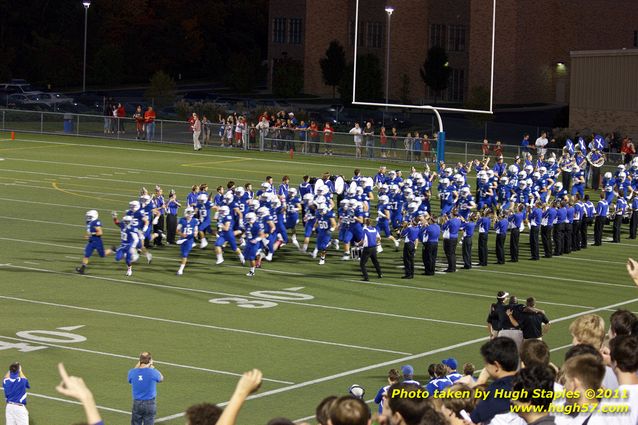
<point>340,184</point>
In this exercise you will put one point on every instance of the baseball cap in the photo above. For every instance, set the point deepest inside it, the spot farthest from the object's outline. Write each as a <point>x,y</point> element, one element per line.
<point>407,370</point>
<point>502,295</point>
<point>450,362</point>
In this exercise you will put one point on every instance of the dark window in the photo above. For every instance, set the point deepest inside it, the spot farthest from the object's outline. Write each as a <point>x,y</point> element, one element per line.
<point>456,39</point>
<point>374,35</point>
<point>279,30</point>
<point>294,36</point>
<point>456,86</point>
<point>437,35</point>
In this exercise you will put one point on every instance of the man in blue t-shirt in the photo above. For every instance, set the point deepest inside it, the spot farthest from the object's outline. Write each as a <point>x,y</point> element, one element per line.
<point>15,386</point>
<point>143,379</point>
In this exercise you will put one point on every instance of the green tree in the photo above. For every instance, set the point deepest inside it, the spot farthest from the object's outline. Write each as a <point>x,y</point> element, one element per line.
<point>369,80</point>
<point>333,65</point>
<point>161,89</point>
<point>287,77</point>
<point>436,71</point>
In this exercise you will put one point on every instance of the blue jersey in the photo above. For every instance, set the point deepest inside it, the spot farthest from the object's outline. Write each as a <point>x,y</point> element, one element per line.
<point>451,228</point>
<point>128,235</point>
<point>468,228</point>
<point>203,212</point>
<point>91,228</point>
<point>188,227</point>
<point>222,220</point>
<point>484,224</point>
<point>431,233</point>
<point>15,388</point>
<point>323,222</point>
<point>253,232</point>
<point>501,226</point>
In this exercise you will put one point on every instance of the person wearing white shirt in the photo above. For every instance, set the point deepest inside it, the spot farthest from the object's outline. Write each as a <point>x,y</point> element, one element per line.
<point>358,138</point>
<point>541,144</point>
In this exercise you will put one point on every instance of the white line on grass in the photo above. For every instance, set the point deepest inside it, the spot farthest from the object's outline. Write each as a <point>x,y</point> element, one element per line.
<point>185,323</point>
<point>403,360</point>
<point>63,400</point>
<point>563,279</point>
<point>122,356</point>
<point>371,283</point>
<point>199,154</point>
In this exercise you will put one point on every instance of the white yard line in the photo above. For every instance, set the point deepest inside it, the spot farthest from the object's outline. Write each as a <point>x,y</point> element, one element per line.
<point>562,279</point>
<point>190,324</point>
<point>64,400</point>
<point>122,356</point>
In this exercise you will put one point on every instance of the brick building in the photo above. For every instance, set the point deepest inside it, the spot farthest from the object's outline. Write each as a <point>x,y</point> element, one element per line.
<point>533,41</point>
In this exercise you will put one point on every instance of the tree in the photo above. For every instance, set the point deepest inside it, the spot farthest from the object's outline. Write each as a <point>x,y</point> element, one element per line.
<point>436,71</point>
<point>369,80</point>
<point>161,89</point>
<point>287,77</point>
<point>333,65</point>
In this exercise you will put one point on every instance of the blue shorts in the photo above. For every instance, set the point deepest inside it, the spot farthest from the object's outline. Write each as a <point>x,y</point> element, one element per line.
<point>95,244</point>
<point>345,235</point>
<point>580,189</point>
<point>357,232</point>
<point>292,220</point>
<point>226,236</point>
<point>251,250</point>
<point>383,226</point>
<point>308,228</point>
<point>186,247</point>
<point>124,251</point>
<point>205,227</point>
<point>323,241</point>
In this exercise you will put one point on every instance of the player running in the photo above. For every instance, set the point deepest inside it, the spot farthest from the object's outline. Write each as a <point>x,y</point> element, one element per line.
<point>187,228</point>
<point>94,235</point>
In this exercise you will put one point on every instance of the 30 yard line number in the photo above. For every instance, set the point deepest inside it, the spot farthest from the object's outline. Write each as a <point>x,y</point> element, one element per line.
<point>287,294</point>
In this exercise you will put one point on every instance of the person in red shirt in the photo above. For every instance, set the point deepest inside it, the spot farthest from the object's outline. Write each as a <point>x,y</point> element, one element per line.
<point>498,149</point>
<point>121,113</point>
<point>425,147</point>
<point>383,141</point>
<point>485,148</point>
<point>328,133</point>
<point>149,123</point>
<point>139,122</point>
<point>314,137</point>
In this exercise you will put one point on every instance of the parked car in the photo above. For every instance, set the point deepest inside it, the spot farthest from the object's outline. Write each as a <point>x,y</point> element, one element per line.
<point>75,108</point>
<point>18,99</point>
<point>16,87</point>
<point>51,98</point>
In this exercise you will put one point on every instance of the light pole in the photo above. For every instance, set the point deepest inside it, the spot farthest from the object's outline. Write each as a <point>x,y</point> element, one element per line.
<point>86,4</point>
<point>389,10</point>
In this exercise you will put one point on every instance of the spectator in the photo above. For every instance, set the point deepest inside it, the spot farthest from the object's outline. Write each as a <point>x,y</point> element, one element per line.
<point>196,128</point>
<point>252,136</point>
<point>206,130</point>
<point>621,322</point>
<point>451,373</point>
<point>15,386</point>
<point>248,384</point>
<point>416,147</point>
<point>393,378</point>
<point>149,123</point>
<point>394,138</point>
<point>525,144</point>
<point>408,375</point>
<point>498,149</point>
<point>440,381</point>
<point>203,414</point>
<point>108,116</point>
<point>356,132</point>
<point>139,123</point>
<point>229,131</point>
<point>322,412</point>
<point>493,321</point>
<point>328,134</point>
<point>368,136</point>
<point>383,141</point>
<point>348,411</point>
<point>580,375</point>
<point>262,126</point>
<point>528,381</point>
<point>303,135</point>
<point>451,407</point>
<point>405,410</point>
<point>120,113</point>
<point>541,144</point>
<point>314,137</point>
<point>468,375</point>
<point>533,324</point>
<point>143,379</point>
<point>485,148</point>
<point>501,362</point>
<point>590,329</point>
<point>407,144</point>
<point>73,386</point>
<point>425,148</point>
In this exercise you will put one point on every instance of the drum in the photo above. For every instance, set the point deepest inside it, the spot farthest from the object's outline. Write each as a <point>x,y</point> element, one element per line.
<point>339,184</point>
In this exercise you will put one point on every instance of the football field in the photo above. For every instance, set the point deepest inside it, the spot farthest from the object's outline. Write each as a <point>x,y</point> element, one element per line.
<point>313,330</point>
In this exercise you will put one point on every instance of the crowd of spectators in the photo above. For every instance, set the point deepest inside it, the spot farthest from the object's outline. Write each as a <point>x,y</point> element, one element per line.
<point>518,384</point>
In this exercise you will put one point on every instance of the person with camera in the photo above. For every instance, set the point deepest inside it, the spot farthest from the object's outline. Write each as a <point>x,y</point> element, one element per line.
<point>143,379</point>
<point>15,386</point>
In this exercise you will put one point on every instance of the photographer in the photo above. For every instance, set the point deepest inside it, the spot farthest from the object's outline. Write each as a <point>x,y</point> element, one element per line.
<point>143,379</point>
<point>15,386</point>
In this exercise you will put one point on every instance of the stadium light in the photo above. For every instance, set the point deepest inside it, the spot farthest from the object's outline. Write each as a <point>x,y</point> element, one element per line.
<point>388,10</point>
<point>86,4</point>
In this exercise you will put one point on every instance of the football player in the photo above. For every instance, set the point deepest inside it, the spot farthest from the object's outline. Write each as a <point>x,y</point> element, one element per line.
<point>94,235</point>
<point>187,229</point>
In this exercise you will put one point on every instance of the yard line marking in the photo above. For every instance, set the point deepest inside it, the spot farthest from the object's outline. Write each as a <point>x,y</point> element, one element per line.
<point>591,259</point>
<point>58,188</point>
<point>392,285</point>
<point>403,360</point>
<point>64,400</point>
<point>205,291</point>
<point>198,154</point>
<point>564,279</point>
<point>31,262</point>
<point>185,323</point>
<point>123,356</point>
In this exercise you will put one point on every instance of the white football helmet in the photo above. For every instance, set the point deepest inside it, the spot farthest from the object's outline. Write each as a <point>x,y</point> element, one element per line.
<point>265,186</point>
<point>144,200</point>
<point>263,212</point>
<point>445,182</point>
<point>558,186</point>
<point>251,217</point>
<point>513,169</point>
<point>383,199</point>
<point>229,197</point>
<point>127,220</point>
<point>308,197</point>
<point>91,215</point>
<point>240,191</point>
<point>189,212</point>
<point>465,192</point>
<point>292,192</point>
<point>608,175</point>
<point>323,209</point>
<point>134,206</point>
<point>202,197</point>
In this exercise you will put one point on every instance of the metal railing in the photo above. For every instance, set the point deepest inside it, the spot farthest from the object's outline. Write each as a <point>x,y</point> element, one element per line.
<point>300,141</point>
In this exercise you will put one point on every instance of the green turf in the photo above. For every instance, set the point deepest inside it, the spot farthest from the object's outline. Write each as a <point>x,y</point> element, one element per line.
<point>340,326</point>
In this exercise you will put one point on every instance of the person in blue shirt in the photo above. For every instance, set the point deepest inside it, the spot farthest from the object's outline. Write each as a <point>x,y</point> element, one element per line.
<point>394,377</point>
<point>525,144</point>
<point>254,235</point>
<point>203,215</point>
<point>191,198</point>
<point>370,241</point>
<point>187,229</point>
<point>144,379</point>
<point>468,226</point>
<point>451,229</point>
<point>430,233</point>
<point>410,235</point>
<point>94,234</point>
<point>483,224</point>
<point>619,213</point>
<point>500,227</point>
<point>590,213</point>
<point>535,219</point>
<point>559,227</point>
<point>440,381</point>
<point>602,211</point>
<point>172,209</point>
<point>128,244</point>
<point>284,187</point>
<point>576,222</point>
<point>515,223</point>
<point>569,223</point>
<point>15,386</point>
<point>547,228</point>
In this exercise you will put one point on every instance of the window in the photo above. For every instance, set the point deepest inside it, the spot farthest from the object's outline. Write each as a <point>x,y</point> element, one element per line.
<point>374,35</point>
<point>294,34</point>
<point>456,86</point>
<point>279,30</point>
<point>456,39</point>
<point>437,35</point>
